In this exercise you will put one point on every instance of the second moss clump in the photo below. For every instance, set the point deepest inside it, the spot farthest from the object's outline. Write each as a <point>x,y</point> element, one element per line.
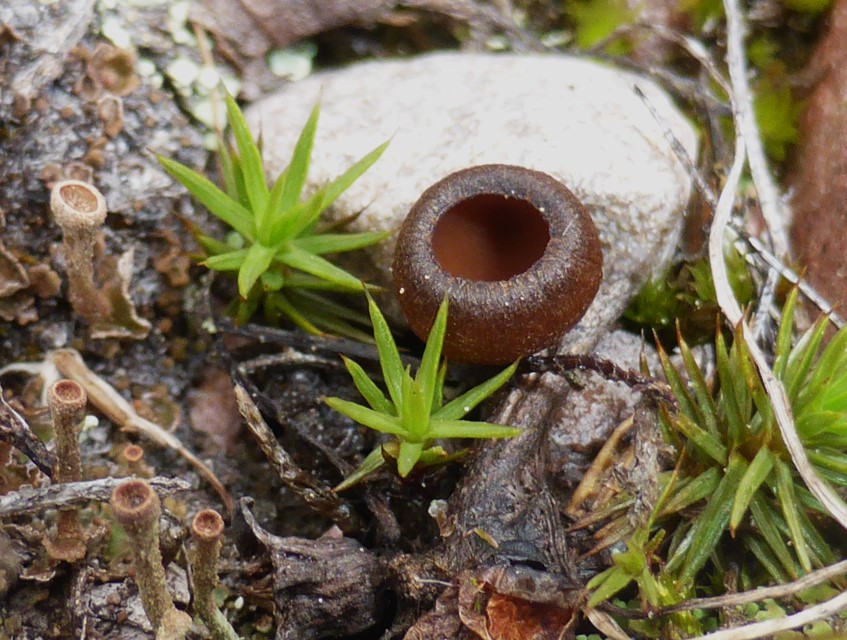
<point>414,413</point>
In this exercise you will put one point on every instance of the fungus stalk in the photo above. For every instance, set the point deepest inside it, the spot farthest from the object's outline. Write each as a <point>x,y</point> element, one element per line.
<point>67,401</point>
<point>207,529</point>
<point>137,509</point>
<point>80,209</point>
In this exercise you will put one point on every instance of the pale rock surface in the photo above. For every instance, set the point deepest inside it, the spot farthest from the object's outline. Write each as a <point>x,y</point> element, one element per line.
<point>578,120</point>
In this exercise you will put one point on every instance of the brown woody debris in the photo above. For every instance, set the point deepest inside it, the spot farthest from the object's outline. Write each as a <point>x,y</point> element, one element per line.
<point>818,176</point>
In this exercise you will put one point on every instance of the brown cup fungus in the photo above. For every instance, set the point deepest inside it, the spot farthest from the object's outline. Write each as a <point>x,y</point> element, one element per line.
<point>67,401</point>
<point>514,250</point>
<point>80,209</point>
<point>137,509</point>
<point>207,529</point>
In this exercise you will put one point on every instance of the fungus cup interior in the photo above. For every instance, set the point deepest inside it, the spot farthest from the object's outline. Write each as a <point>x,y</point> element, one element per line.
<point>490,237</point>
<point>68,391</point>
<point>133,453</point>
<point>79,197</point>
<point>133,495</point>
<point>208,524</point>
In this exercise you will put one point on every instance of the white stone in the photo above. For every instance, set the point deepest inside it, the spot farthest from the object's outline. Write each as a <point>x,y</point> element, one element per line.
<point>578,120</point>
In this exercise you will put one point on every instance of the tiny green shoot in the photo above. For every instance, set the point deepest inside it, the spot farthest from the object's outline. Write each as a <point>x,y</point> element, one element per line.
<point>414,412</point>
<point>277,249</point>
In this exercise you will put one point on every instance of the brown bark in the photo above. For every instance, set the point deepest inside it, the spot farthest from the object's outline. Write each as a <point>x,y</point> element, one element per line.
<point>819,173</point>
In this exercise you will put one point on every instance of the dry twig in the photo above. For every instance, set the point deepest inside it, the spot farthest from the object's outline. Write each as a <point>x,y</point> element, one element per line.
<point>319,497</point>
<point>15,431</point>
<point>75,494</point>
<point>757,595</point>
<point>774,208</point>
<point>768,628</point>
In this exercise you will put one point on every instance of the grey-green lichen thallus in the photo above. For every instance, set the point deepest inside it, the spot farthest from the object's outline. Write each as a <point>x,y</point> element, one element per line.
<point>515,251</point>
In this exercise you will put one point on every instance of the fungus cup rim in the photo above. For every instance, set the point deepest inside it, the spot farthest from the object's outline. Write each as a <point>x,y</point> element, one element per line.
<point>67,210</point>
<point>135,504</point>
<point>527,310</point>
<point>207,525</point>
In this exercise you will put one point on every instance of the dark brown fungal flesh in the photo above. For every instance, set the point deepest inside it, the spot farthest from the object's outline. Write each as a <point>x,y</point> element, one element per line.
<point>515,251</point>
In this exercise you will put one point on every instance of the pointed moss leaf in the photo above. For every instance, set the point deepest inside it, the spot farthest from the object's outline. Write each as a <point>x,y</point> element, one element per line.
<point>230,261</point>
<point>736,423</point>
<point>790,508</point>
<point>702,439</point>
<point>210,245</point>
<point>600,578</point>
<point>690,556</point>
<point>766,520</point>
<point>318,302</point>
<point>331,316</point>
<point>343,182</point>
<point>417,420</point>
<point>613,581</point>
<point>438,392</point>
<point>373,461</point>
<point>215,200</point>
<point>250,158</point>
<point>281,303</point>
<point>428,371</point>
<point>435,456</point>
<point>238,178</point>
<point>298,168</point>
<point>802,357</point>
<point>820,550</point>
<point>227,168</point>
<point>299,259</point>
<point>256,262</point>
<point>288,224</point>
<point>368,417</point>
<point>752,479</point>
<point>300,281</point>
<point>705,404</point>
<point>470,429</point>
<point>677,385</point>
<point>243,310</point>
<point>829,459</point>
<point>339,242</point>
<point>408,456</point>
<point>339,327</point>
<point>764,556</point>
<point>831,362</point>
<point>405,409</point>
<point>738,381</point>
<point>272,280</point>
<point>460,406</point>
<point>329,194</point>
<point>783,338</point>
<point>272,210</point>
<point>698,489</point>
<point>368,389</point>
<point>389,357</point>
<point>811,423</point>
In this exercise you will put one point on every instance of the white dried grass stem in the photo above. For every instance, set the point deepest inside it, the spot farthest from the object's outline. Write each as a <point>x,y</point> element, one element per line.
<point>774,208</point>
<point>768,628</point>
